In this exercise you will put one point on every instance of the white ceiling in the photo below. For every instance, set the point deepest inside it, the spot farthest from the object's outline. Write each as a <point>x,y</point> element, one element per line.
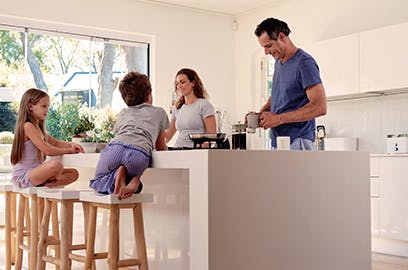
<point>228,7</point>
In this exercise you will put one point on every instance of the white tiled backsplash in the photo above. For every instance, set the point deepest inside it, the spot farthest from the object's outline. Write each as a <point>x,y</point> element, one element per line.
<point>370,120</point>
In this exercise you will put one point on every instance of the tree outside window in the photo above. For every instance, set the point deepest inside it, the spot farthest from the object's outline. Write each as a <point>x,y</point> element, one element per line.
<point>71,68</point>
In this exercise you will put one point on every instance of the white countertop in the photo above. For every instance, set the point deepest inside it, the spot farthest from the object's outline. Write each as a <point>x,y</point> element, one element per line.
<point>389,155</point>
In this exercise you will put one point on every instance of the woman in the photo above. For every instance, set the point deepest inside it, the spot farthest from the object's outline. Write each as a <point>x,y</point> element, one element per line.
<point>193,112</point>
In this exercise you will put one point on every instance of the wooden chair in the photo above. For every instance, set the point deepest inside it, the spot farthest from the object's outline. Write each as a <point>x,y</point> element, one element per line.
<point>63,241</point>
<point>10,223</point>
<point>30,211</point>
<point>114,205</point>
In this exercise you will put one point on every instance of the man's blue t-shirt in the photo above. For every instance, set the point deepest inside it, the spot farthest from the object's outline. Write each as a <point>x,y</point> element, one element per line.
<point>290,81</point>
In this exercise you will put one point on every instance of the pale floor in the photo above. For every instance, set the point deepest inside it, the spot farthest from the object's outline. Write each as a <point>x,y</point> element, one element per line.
<point>385,262</point>
<point>380,261</point>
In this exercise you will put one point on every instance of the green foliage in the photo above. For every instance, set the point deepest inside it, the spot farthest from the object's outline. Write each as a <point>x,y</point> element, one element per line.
<point>11,48</point>
<point>83,126</point>
<point>104,124</point>
<point>62,120</point>
<point>8,116</point>
<point>6,137</point>
<point>72,119</point>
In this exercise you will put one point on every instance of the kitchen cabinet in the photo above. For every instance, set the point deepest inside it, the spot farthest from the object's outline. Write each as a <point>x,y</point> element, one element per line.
<point>393,198</point>
<point>389,200</point>
<point>338,62</point>
<point>364,63</point>
<point>383,63</point>
<point>375,196</point>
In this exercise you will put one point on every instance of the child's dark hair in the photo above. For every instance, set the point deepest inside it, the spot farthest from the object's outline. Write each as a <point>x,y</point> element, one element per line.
<point>135,88</point>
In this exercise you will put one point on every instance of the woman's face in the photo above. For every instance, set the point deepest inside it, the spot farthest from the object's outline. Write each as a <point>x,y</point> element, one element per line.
<point>40,110</point>
<point>184,86</point>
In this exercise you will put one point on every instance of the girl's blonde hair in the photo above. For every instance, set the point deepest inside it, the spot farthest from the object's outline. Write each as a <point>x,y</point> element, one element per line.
<point>31,96</point>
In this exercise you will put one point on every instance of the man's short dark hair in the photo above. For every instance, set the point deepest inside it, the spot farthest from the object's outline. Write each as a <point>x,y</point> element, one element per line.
<point>272,27</point>
<point>135,88</point>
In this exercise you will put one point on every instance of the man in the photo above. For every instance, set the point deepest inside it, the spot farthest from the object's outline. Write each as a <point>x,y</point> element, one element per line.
<point>298,95</point>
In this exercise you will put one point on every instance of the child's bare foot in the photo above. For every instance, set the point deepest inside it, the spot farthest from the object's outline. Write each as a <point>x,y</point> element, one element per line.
<point>128,190</point>
<point>120,180</point>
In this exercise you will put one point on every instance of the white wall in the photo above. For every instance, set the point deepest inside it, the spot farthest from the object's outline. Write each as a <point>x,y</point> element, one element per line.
<point>183,38</point>
<point>316,20</point>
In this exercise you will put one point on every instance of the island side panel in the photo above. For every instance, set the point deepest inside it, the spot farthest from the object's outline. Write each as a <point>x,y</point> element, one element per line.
<point>289,210</point>
<point>196,161</point>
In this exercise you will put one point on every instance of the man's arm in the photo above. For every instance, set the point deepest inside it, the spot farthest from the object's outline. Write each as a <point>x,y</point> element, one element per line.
<point>314,108</point>
<point>267,106</point>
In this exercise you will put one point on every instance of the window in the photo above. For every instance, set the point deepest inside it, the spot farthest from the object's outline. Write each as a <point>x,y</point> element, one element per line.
<point>72,65</point>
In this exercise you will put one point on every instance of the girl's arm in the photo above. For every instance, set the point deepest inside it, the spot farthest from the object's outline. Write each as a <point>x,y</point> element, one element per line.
<point>57,143</point>
<point>34,135</point>
<point>169,133</point>
<point>210,125</point>
<point>78,148</point>
<point>160,142</point>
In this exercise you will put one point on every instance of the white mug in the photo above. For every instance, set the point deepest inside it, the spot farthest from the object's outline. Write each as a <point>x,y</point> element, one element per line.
<point>283,143</point>
<point>252,122</point>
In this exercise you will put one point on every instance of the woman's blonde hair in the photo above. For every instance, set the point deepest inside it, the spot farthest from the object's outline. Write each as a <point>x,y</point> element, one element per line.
<point>198,89</point>
<point>31,96</point>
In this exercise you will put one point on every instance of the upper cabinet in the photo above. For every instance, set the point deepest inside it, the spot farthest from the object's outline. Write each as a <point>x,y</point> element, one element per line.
<point>384,58</point>
<point>338,62</point>
<point>364,63</point>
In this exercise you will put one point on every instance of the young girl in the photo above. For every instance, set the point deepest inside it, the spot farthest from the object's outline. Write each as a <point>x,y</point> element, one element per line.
<point>32,144</point>
<point>138,130</point>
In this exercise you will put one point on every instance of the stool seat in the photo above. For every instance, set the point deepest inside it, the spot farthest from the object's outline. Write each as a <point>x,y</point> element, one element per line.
<point>111,202</point>
<point>113,198</point>
<point>6,187</point>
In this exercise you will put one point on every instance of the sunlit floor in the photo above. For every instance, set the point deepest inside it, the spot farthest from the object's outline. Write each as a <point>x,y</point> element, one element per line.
<point>380,261</point>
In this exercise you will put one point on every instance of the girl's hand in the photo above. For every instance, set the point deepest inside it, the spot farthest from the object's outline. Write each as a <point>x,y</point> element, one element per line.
<point>76,148</point>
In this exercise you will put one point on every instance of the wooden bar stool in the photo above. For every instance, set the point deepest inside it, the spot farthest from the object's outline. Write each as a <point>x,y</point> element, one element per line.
<point>66,198</point>
<point>10,223</point>
<point>29,214</point>
<point>114,205</point>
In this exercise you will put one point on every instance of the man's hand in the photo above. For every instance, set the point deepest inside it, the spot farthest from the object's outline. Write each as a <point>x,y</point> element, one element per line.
<point>270,120</point>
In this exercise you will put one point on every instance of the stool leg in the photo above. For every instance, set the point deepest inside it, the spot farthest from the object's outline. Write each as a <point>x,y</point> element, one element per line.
<point>7,196</point>
<point>140,236</point>
<point>85,208</point>
<point>113,253</point>
<point>66,232</point>
<point>19,232</point>
<point>13,207</point>
<point>42,244</point>
<point>90,243</point>
<point>55,230</point>
<point>34,232</point>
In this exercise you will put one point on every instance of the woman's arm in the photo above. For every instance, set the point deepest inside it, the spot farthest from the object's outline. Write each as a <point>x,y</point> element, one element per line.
<point>33,134</point>
<point>210,125</point>
<point>169,133</point>
<point>160,142</point>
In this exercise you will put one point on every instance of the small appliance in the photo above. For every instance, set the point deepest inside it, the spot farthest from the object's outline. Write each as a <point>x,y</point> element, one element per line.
<point>397,144</point>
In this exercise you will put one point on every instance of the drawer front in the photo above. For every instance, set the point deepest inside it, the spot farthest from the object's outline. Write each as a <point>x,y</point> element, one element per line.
<point>374,167</point>
<point>375,187</point>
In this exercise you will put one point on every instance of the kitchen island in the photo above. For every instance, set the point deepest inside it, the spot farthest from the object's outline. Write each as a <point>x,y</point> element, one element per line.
<point>236,209</point>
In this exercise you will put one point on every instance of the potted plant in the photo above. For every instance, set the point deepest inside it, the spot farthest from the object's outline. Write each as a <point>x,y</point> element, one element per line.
<point>6,142</point>
<point>104,122</point>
